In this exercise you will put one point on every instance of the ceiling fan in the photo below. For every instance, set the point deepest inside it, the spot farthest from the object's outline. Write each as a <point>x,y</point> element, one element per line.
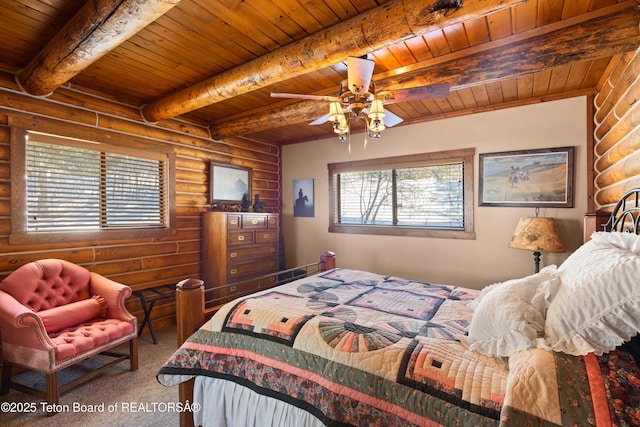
<point>358,100</point>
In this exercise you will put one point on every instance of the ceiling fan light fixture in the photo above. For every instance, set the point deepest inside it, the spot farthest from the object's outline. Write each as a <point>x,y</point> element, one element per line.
<point>376,112</point>
<point>376,126</point>
<point>358,100</point>
<point>335,111</point>
<point>341,125</point>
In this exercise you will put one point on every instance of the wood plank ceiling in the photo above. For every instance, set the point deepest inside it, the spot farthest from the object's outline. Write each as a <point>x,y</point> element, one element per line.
<point>215,62</point>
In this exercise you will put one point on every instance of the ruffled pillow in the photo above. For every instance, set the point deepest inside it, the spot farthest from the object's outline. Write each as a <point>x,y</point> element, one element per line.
<point>598,305</point>
<point>73,314</point>
<point>509,316</point>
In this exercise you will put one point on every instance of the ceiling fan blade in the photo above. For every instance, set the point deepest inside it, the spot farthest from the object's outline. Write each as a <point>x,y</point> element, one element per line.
<point>359,73</point>
<point>305,96</point>
<point>391,119</point>
<point>320,120</point>
<point>415,93</point>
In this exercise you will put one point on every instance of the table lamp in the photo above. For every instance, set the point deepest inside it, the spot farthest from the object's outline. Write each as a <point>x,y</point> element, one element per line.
<point>538,235</point>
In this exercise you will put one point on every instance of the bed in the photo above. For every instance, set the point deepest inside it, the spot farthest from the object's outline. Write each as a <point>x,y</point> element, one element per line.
<point>346,347</point>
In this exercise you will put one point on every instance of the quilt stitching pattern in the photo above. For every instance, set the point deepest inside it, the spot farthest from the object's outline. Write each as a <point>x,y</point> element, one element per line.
<point>334,347</point>
<point>277,327</point>
<point>399,302</point>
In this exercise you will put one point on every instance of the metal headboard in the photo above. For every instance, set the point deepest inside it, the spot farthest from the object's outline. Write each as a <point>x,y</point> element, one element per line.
<point>626,214</point>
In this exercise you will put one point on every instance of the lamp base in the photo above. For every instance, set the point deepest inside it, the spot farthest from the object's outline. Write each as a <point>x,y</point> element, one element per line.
<point>536,260</point>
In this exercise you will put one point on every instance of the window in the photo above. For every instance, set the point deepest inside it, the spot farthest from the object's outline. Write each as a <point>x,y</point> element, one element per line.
<point>73,185</point>
<point>423,195</point>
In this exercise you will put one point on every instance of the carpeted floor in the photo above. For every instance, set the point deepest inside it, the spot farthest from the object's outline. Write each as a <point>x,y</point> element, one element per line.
<point>117,398</point>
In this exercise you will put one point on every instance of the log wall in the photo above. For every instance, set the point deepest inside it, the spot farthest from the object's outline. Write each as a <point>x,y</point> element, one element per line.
<point>617,132</point>
<point>136,261</point>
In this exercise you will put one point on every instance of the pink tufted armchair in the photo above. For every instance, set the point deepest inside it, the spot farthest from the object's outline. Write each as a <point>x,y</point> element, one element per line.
<point>53,314</point>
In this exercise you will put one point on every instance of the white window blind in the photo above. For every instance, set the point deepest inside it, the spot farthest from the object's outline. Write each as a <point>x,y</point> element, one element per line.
<point>80,186</point>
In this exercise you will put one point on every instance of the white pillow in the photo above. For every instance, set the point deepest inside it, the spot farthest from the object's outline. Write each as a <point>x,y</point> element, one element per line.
<point>510,316</point>
<point>597,307</point>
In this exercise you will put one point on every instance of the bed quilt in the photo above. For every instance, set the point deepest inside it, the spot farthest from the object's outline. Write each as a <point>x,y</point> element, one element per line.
<point>358,348</point>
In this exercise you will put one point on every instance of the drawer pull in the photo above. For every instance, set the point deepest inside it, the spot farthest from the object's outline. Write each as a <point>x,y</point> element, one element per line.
<point>233,271</point>
<point>266,235</point>
<point>272,249</point>
<point>254,221</point>
<point>241,238</point>
<point>233,254</point>
<point>234,222</point>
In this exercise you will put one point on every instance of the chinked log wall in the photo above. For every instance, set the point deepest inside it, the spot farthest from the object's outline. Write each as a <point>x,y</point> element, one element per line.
<point>138,262</point>
<point>617,132</point>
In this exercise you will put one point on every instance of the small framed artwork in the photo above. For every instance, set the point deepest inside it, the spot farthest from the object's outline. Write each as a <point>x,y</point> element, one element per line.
<point>229,184</point>
<point>535,178</point>
<point>303,197</point>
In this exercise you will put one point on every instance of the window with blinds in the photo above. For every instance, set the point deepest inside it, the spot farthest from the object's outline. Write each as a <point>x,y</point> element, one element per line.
<point>425,195</point>
<point>75,185</point>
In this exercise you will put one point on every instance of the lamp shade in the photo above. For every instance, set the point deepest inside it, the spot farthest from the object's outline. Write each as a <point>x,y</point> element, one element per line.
<point>335,112</point>
<point>537,234</point>
<point>377,110</point>
<point>341,126</point>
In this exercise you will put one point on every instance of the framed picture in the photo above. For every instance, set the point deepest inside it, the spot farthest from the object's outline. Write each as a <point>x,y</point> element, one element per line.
<point>229,184</point>
<point>536,178</point>
<point>303,197</point>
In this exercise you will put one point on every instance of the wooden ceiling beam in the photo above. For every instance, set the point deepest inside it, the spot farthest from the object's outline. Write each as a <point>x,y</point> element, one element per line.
<point>97,28</point>
<point>597,38</point>
<point>594,39</point>
<point>385,25</point>
<point>282,116</point>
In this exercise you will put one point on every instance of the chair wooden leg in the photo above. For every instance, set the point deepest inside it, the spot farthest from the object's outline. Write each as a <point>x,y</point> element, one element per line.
<point>6,378</point>
<point>52,388</point>
<point>133,354</point>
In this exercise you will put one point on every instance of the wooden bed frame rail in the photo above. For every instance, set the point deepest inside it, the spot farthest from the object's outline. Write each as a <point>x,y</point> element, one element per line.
<point>191,312</point>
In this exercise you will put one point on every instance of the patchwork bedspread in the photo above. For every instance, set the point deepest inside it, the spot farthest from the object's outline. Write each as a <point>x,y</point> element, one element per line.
<point>357,348</point>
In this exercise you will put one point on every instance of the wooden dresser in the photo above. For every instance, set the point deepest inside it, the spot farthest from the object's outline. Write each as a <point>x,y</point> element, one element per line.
<point>238,246</point>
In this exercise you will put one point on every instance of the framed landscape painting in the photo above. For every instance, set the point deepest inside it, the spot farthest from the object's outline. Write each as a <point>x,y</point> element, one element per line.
<point>229,184</point>
<point>536,178</point>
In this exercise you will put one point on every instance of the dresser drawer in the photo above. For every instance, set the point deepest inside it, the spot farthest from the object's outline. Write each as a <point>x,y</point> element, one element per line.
<point>234,222</point>
<point>241,238</point>
<point>242,254</point>
<point>239,271</point>
<point>254,221</point>
<point>266,236</point>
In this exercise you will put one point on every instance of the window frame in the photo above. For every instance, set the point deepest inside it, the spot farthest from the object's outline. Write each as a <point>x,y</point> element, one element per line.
<point>466,156</point>
<point>99,141</point>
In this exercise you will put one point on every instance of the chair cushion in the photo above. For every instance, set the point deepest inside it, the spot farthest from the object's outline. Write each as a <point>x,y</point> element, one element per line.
<point>73,314</point>
<point>48,283</point>
<point>86,337</point>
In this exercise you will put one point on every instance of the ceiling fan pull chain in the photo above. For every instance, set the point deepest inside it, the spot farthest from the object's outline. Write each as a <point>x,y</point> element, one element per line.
<point>366,132</point>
